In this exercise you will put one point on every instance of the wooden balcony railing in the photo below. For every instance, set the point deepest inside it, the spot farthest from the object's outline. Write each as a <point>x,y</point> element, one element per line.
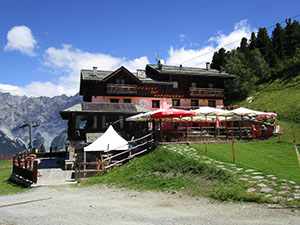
<point>121,89</point>
<point>206,92</point>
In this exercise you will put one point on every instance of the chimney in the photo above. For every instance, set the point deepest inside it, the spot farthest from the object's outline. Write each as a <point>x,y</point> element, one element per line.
<point>160,64</point>
<point>94,70</point>
<point>208,66</point>
<point>141,73</point>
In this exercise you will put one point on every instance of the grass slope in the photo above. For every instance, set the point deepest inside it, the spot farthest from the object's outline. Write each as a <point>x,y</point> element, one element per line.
<point>165,170</point>
<point>7,187</point>
<point>274,158</point>
<point>282,96</point>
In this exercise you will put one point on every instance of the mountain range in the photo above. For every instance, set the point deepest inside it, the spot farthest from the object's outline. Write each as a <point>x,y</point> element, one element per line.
<point>43,111</point>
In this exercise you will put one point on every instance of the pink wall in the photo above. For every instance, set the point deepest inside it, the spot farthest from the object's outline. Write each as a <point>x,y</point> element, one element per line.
<point>165,103</point>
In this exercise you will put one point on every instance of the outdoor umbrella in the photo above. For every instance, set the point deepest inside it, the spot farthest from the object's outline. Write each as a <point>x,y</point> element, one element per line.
<point>143,116</point>
<point>172,113</point>
<point>211,111</point>
<point>246,112</point>
<point>266,115</point>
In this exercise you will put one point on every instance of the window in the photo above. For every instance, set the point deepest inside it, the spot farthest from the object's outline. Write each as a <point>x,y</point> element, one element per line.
<point>120,81</point>
<point>112,119</point>
<point>83,122</point>
<point>175,84</point>
<point>155,104</point>
<point>175,102</point>
<point>210,85</point>
<point>193,85</point>
<point>127,100</point>
<point>194,102</point>
<point>212,103</point>
<point>114,100</point>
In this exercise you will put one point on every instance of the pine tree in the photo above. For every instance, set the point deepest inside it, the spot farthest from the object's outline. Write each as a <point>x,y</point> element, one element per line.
<point>278,41</point>
<point>252,44</point>
<point>263,43</point>
<point>244,45</point>
<point>219,59</point>
<point>292,31</point>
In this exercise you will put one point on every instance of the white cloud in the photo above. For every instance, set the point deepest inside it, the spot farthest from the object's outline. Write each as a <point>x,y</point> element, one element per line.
<point>231,41</point>
<point>184,56</point>
<point>20,38</point>
<point>68,62</point>
<point>198,57</point>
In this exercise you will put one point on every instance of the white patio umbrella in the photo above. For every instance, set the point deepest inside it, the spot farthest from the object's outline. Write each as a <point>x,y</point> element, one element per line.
<point>143,116</point>
<point>211,111</point>
<point>246,112</point>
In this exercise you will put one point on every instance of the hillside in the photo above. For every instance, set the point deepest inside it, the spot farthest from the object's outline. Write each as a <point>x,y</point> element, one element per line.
<point>281,95</point>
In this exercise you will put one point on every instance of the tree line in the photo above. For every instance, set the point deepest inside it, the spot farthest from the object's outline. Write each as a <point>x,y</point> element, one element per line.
<point>260,60</point>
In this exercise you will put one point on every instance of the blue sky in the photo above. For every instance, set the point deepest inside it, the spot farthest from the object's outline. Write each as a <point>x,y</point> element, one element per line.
<point>44,44</point>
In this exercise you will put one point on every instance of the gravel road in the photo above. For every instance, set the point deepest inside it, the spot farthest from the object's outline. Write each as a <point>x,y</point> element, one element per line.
<point>111,206</point>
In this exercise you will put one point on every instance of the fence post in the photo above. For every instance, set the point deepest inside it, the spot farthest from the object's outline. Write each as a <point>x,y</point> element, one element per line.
<point>187,134</point>
<point>205,143</point>
<point>257,132</point>
<point>35,171</point>
<point>129,155</point>
<point>97,165</point>
<point>233,153</point>
<point>160,130</point>
<point>19,160</point>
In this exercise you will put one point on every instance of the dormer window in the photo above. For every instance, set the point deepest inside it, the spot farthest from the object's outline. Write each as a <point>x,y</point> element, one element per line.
<point>210,85</point>
<point>193,84</point>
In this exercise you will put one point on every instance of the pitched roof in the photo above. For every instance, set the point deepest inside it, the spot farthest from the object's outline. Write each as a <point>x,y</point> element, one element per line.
<point>122,68</point>
<point>113,108</point>
<point>191,71</point>
<point>89,75</point>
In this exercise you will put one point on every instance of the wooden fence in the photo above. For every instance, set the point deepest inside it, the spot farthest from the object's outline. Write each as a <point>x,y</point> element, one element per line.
<point>25,169</point>
<point>109,160</point>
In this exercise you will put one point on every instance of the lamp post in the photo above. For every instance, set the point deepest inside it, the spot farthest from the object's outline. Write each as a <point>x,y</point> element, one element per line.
<point>30,125</point>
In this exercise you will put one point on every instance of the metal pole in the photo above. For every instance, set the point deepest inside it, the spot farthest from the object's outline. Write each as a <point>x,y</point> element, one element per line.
<point>30,136</point>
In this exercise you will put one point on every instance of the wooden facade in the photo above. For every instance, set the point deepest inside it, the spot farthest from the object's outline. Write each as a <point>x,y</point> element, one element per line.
<point>159,82</point>
<point>88,118</point>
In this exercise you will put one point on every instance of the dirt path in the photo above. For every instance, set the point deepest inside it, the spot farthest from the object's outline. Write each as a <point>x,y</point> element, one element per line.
<point>105,205</point>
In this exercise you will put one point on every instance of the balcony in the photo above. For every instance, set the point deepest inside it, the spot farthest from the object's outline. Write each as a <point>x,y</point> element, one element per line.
<point>117,89</point>
<point>206,92</point>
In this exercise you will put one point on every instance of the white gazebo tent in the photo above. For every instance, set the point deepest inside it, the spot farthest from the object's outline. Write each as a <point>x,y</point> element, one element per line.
<point>109,141</point>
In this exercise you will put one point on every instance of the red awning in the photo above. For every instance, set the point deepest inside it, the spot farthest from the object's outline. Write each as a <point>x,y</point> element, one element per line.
<point>173,113</point>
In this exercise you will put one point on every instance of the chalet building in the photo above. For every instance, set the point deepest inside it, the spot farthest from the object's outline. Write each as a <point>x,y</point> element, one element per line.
<point>158,86</point>
<point>114,95</point>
